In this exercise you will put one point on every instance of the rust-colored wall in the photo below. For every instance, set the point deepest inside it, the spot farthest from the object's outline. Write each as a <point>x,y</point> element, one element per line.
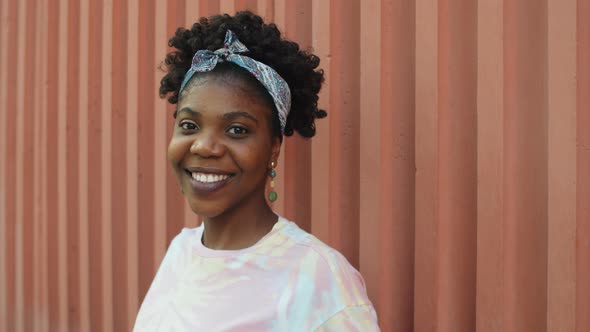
<point>453,169</point>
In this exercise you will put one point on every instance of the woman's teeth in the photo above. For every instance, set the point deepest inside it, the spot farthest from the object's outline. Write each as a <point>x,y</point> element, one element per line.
<point>208,178</point>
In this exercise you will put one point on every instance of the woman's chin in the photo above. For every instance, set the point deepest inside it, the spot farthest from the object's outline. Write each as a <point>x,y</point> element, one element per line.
<point>205,210</point>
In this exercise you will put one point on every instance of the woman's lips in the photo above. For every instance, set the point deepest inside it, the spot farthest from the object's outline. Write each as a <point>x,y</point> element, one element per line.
<point>205,182</point>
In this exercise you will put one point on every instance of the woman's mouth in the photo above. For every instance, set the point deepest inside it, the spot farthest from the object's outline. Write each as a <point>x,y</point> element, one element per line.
<point>203,182</point>
<point>209,178</point>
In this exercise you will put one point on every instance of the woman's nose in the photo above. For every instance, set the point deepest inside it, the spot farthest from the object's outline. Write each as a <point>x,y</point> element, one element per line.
<point>207,145</point>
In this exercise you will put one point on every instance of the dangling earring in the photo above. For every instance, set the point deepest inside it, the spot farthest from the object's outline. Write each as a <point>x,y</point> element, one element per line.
<point>272,195</point>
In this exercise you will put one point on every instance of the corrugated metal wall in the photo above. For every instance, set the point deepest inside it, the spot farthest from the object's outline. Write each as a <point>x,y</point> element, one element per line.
<point>453,168</point>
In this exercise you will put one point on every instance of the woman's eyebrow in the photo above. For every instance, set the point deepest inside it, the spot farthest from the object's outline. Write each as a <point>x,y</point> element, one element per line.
<point>188,110</point>
<point>237,114</point>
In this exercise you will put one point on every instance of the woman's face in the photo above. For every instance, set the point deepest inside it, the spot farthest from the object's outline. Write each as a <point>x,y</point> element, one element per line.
<point>221,147</point>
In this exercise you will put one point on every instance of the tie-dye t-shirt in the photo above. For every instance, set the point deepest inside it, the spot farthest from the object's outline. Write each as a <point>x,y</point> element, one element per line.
<point>288,281</point>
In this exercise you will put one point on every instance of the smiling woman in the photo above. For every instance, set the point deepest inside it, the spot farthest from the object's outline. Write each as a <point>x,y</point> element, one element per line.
<point>220,151</point>
<point>239,88</point>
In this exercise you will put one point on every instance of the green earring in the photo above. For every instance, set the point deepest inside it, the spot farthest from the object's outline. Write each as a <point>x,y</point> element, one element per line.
<point>272,195</point>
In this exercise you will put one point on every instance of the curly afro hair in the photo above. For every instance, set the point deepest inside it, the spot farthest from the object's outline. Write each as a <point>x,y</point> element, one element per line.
<point>297,67</point>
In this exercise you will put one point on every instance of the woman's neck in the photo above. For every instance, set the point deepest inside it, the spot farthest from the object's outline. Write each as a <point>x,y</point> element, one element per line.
<point>240,227</point>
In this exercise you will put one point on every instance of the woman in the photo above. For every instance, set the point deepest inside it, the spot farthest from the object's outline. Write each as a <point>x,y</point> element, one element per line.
<point>239,88</point>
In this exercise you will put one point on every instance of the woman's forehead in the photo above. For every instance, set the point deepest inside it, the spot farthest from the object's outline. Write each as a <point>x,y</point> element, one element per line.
<point>208,90</point>
<point>216,96</point>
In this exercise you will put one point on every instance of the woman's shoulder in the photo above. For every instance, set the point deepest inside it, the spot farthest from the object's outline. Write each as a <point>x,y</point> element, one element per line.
<point>310,244</point>
<point>184,241</point>
<point>188,233</point>
<point>322,278</point>
<point>330,268</point>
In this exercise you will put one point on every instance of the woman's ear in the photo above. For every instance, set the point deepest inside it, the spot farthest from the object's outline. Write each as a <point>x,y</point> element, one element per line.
<point>275,149</point>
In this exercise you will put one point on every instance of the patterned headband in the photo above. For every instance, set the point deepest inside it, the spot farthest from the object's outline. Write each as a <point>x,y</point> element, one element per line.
<point>205,60</point>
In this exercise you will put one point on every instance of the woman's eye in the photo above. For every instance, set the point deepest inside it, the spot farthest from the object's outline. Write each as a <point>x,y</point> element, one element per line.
<point>187,125</point>
<point>237,131</point>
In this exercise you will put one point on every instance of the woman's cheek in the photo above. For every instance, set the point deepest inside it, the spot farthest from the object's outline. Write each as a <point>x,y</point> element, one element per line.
<point>177,148</point>
<point>175,154</point>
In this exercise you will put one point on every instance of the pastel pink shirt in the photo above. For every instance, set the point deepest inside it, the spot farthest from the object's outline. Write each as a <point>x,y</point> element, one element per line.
<point>288,281</point>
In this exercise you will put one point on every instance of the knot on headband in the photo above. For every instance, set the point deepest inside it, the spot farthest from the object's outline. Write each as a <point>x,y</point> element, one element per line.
<point>205,61</point>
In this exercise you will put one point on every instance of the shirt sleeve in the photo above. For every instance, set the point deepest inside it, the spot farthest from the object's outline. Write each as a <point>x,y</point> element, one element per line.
<point>352,319</point>
<point>163,288</point>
